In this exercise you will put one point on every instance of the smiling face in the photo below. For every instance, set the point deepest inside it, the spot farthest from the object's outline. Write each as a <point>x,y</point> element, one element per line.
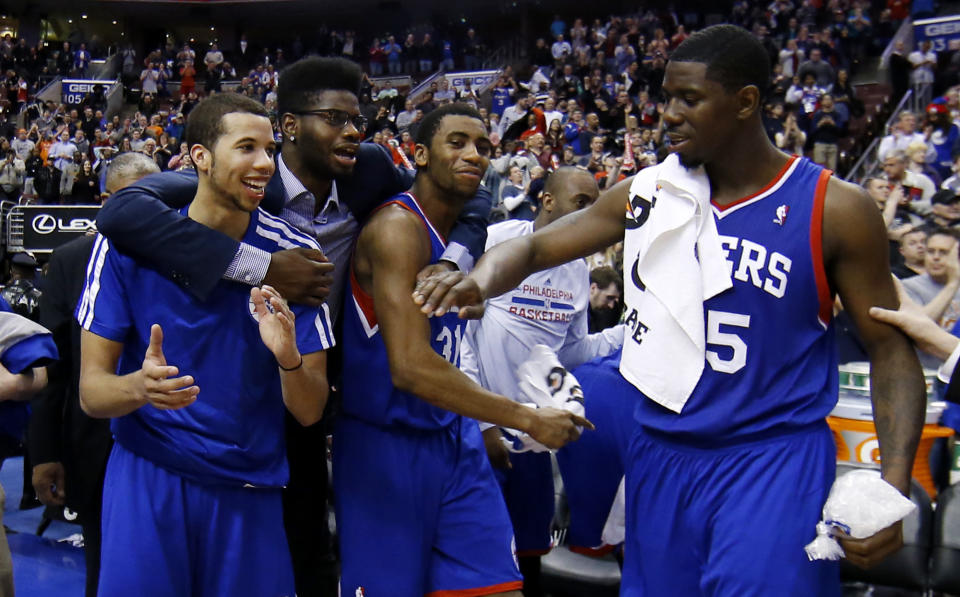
<point>458,155</point>
<point>700,114</point>
<point>238,167</point>
<point>329,151</point>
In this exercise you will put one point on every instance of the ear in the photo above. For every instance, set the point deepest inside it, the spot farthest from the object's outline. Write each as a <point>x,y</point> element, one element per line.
<point>748,102</point>
<point>201,157</point>
<point>421,155</point>
<point>289,125</point>
<point>547,200</point>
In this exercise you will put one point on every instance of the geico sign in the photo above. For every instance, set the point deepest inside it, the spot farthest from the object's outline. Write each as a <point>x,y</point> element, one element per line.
<point>941,29</point>
<point>47,224</point>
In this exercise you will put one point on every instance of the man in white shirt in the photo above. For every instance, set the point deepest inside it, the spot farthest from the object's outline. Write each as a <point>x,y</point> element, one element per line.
<point>924,62</point>
<point>903,134</point>
<point>561,50</point>
<point>550,308</point>
<point>62,151</point>
<point>918,189</point>
<point>515,112</point>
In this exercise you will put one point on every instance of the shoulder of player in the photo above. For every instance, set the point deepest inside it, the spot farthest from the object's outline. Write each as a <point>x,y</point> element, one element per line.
<point>280,233</point>
<point>850,218</point>
<point>392,230</point>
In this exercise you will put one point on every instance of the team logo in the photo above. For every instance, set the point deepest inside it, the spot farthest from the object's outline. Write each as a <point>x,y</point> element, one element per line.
<point>359,592</point>
<point>638,211</point>
<point>781,215</point>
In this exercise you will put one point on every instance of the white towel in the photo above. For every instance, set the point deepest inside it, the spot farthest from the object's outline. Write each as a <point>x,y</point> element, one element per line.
<point>674,254</point>
<point>544,383</point>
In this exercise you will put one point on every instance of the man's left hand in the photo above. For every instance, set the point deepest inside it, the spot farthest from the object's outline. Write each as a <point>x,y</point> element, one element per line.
<point>868,552</point>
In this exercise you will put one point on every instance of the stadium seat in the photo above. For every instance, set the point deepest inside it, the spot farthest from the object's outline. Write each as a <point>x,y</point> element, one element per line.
<point>908,568</point>
<point>569,574</point>
<point>945,566</point>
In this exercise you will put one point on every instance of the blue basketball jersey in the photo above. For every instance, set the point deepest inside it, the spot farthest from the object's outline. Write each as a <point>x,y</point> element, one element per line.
<point>368,391</point>
<point>233,433</point>
<point>771,361</point>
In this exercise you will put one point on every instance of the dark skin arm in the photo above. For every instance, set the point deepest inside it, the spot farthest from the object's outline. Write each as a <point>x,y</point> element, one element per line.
<point>392,248</point>
<point>855,256</point>
<point>502,268</point>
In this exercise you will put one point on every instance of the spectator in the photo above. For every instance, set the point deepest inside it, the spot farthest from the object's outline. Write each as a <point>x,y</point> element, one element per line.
<point>149,79</point>
<point>213,57</point>
<point>22,146</point>
<point>12,174</point>
<point>828,126</point>
<point>944,137</point>
<point>904,133</point>
<point>917,188</point>
<point>81,61</point>
<point>86,186</point>
<point>472,51</point>
<point>393,53</point>
<point>791,57</point>
<point>606,288</point>
<point>823,73</point>
<point>923,62</point>
<point>912,249</point>
<point>916,162</point>
<point>937,288</point>
<point>953,183</point>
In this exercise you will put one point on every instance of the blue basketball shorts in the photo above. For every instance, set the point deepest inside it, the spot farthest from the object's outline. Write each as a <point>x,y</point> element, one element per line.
<point>529,493</point>
<point>419,512</point>
<point>728,521</point>
<point>592,466</point>
<point>165,536</point>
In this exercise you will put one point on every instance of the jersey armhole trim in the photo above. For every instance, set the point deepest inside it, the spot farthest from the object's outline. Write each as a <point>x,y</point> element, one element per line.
<point>825,313</point>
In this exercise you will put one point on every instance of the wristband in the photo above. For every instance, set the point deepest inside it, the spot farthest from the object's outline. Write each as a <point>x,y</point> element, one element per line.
<point>300,364</point>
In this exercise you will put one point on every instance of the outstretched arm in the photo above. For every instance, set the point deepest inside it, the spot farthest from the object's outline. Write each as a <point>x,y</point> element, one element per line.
<point>855,257</point>
<point>576,235</point>
<point>391,250</point>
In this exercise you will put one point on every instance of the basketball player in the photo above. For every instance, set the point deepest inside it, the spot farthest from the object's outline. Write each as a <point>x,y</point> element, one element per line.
<point>548,308</point>
<point>722,497</point>
<point>192,502</point>
<point>418,509</point>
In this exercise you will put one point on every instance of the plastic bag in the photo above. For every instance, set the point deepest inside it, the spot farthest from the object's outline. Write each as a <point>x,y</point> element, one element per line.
<point>860,504</point>
<point>544,383</point>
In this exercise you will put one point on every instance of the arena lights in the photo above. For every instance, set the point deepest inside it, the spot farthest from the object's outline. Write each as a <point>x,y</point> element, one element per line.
<point>114,22</point>
<point>83,16</point>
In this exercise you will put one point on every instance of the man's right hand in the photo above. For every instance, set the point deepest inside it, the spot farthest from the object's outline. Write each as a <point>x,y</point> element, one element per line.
<point>48,482</point>
<point>555,428</point>
<point>300,275</point>
<point>159,387</point>
<point>440,292</point>
<point>497,451</point>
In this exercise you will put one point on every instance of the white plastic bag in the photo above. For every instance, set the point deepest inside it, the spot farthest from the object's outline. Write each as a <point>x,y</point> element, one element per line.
<point>544,383</point>
<point>860,504</point>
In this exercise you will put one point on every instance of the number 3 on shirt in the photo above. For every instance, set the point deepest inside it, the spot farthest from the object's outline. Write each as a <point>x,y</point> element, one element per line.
<point>450,344</point>
<point>738,359</point>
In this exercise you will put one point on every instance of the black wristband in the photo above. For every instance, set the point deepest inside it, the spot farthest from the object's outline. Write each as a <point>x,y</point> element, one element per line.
<point>300,364</point>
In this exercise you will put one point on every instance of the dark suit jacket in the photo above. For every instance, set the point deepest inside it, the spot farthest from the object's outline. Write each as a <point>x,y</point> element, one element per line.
<point>141,219</point>
<point>59,429</point>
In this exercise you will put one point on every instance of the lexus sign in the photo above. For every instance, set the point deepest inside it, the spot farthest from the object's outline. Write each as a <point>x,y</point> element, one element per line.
<point>46,227</point>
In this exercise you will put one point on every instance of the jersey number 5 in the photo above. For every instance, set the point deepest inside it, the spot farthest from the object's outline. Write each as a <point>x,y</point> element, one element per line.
<point>738,359</point>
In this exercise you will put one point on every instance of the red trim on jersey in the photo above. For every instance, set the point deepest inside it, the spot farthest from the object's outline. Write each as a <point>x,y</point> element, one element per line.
<point>515,585</point>
<point>421,216</point>
<point>593,552</point>
<point>816,248</point>
<point>766,188</point>
<point>364,300</point>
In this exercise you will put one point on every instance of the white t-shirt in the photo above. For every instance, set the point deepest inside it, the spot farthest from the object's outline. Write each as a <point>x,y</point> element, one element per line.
<point>549,307</point>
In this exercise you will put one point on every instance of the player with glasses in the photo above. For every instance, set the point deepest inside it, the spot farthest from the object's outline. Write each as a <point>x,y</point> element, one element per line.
<point>339,118</point>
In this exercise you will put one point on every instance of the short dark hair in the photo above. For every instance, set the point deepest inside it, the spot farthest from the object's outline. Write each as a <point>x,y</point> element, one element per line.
<point>302,82</point>
<point>734,57</point>
<point>940,231</point>
<point>604,276</point>
<point>205,123</point>
<point>431,122</point>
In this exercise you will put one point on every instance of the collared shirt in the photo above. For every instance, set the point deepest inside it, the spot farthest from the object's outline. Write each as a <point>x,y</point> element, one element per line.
<point>334,227</point>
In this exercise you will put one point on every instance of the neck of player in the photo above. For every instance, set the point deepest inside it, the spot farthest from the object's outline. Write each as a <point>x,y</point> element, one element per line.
<point>746,165</point>
<point>213,209</point>
<point>439,205</point>
<point>318,186</point>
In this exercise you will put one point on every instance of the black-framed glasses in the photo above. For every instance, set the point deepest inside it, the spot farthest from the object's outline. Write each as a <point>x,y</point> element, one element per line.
<point>338,118</point>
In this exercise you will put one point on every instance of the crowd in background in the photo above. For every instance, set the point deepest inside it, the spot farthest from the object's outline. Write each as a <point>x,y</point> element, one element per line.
<point>587,95</point>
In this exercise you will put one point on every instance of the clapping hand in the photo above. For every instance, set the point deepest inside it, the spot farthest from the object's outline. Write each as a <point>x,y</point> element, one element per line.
<point>160,388</point>
<point>276,326</point>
